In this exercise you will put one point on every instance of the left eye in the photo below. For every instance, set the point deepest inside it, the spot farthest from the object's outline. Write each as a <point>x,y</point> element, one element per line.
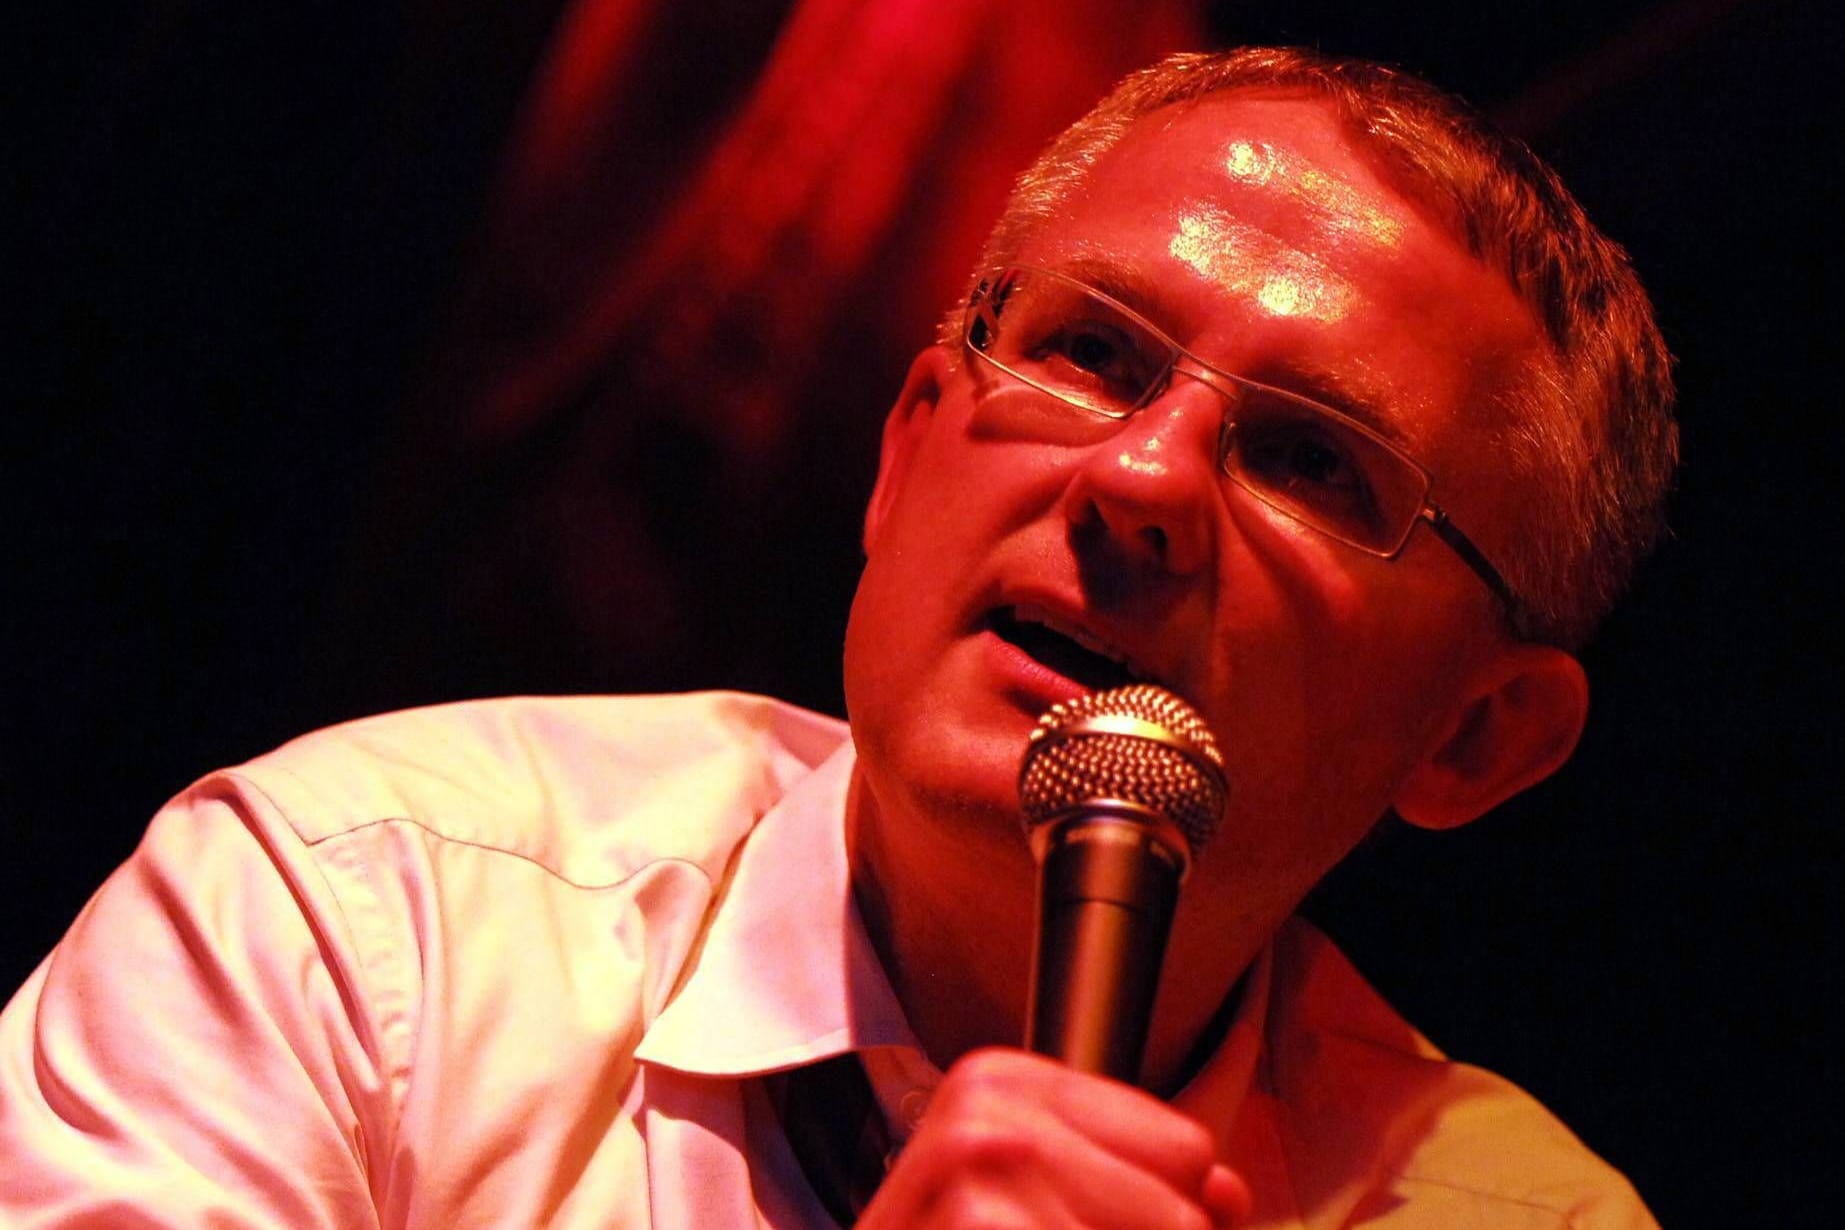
<point>1313,461</point>
<point>1324,473</point>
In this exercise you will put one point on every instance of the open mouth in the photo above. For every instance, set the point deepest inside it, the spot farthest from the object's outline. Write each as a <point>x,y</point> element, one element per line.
<point>1082,661</point>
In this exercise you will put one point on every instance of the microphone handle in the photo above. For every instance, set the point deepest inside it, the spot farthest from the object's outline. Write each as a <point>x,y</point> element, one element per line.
<point>1107,885</point>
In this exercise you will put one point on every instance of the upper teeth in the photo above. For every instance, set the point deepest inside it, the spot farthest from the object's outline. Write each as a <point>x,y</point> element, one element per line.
<point>1082,636</point>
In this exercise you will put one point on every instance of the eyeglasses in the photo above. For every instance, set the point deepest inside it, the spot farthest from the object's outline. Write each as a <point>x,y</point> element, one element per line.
<point>1303,459</point>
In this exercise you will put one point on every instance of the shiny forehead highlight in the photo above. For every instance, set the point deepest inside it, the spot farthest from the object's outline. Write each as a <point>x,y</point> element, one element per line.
<point>1590,439</point>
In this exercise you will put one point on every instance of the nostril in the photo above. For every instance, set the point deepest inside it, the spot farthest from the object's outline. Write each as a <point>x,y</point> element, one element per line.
<point>1088,519</point>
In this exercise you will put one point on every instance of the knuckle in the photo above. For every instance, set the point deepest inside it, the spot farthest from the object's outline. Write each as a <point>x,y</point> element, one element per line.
<point>1193,1147</point>
<point>979,1082</point>
<point>1191,1217</point>
<point>985,1145</point>
<point>989,1067</point>
<point>976,1208</point>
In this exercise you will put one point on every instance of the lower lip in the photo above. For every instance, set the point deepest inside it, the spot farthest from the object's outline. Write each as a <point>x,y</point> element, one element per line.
<point>1027,682</point>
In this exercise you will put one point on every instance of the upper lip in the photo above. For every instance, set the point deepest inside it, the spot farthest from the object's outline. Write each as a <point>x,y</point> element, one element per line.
<point>1088,632</point>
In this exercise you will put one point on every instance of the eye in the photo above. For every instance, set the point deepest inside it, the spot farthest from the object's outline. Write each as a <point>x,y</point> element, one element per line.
<point>1324,472</point>
<point>1097,355</point>
<point>1092,352</point>
<point>1299,461</point>
<point>1313,461</point>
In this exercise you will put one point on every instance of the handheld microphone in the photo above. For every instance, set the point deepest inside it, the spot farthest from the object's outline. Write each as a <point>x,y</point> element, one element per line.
<point>1120,790</point>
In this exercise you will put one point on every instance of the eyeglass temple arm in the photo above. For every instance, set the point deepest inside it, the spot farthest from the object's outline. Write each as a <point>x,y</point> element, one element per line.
<point>1471,555</point>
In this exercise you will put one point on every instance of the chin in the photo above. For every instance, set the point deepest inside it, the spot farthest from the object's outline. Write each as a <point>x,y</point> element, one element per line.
<point>955,779</point>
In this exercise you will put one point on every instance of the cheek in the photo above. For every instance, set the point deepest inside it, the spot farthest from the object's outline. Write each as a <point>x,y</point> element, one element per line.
<point>956,511</point>
<point>1331,660</point>
<point>1298,610</point>
<point>901,607</point>
<point>966,482</point>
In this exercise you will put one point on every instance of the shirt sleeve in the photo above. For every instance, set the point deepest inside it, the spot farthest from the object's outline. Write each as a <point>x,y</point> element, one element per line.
<point>197,1051</point>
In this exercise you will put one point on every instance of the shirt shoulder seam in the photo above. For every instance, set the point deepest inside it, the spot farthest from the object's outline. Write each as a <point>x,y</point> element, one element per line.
<point>1563,1215</point>
<point>488,848</point>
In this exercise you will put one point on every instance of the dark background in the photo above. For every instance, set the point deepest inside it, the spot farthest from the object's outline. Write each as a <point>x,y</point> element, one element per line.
<point>235,232</point>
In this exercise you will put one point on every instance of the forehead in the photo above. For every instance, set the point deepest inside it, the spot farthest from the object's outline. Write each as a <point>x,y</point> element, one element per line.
<point>1254,229</point>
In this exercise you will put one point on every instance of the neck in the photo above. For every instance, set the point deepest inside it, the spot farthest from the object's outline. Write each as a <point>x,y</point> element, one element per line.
<point>949,911</point>
<point>953,923</point>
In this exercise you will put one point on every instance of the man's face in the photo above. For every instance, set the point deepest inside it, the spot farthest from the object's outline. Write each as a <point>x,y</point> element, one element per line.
<point>1005,574</point>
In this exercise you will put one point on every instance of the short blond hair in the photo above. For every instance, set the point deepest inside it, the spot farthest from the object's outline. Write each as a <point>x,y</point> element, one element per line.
<point>1592,434</point>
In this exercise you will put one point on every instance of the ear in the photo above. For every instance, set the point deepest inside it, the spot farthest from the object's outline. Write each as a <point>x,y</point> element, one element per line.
<point>1515,724</point>
<point>904,428</point>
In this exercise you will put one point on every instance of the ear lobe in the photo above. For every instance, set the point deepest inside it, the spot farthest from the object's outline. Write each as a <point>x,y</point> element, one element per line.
<point>904,427</point>
<point>1513,728</point>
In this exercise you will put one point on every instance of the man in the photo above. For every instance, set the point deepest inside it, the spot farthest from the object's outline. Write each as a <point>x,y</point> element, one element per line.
<point>1279,386</point>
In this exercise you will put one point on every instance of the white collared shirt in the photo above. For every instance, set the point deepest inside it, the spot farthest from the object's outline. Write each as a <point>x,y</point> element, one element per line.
<point>519,963</point>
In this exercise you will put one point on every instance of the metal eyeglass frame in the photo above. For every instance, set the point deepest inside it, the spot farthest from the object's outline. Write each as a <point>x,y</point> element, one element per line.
<point>979,308</point>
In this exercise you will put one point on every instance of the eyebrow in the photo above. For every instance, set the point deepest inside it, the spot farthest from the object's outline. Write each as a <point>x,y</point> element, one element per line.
<point>1121,282</point>
<point>1351,395</point>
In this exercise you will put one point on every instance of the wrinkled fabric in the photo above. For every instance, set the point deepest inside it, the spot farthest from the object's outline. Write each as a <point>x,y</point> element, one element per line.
<point>521,963</point>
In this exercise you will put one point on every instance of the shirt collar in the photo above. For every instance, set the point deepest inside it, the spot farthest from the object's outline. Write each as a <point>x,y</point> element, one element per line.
<point>1217,1091</point>
<point>786,974</point>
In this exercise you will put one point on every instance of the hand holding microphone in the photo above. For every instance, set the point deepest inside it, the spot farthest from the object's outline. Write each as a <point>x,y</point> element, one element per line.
<point>1014,1139</point>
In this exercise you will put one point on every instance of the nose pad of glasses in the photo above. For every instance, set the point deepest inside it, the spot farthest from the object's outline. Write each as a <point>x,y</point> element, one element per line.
<point>1225,426</point>
<point>1226,400</point>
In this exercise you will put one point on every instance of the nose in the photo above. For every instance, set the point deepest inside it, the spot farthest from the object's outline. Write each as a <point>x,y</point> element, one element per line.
<point>1152,487</point>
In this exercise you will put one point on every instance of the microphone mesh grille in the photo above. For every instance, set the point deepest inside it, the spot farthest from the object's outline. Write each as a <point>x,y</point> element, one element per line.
<point>1174,769</point>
